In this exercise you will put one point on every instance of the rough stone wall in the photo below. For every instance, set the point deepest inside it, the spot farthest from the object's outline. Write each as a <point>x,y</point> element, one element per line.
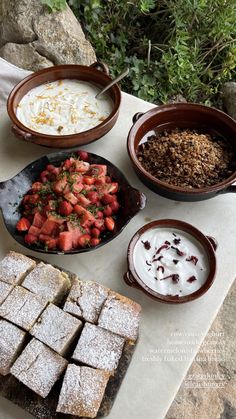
<point>33,38</point>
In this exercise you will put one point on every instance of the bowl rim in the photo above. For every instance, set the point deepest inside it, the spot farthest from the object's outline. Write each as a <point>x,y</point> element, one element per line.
<point>192,231</point>
<point>168,108</point>
<point>53,69</point>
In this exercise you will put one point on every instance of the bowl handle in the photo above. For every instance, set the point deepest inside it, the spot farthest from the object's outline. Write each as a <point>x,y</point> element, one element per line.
<point>99,65</point>
<point>129,280</point>
<point>137,116</point>
<point>231,189</point>
<point>213,242</point>
<point>22,134</point>
<point>137,200</point>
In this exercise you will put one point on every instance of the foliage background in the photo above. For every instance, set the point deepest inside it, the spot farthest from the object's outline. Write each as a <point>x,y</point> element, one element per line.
<point>183,47</point>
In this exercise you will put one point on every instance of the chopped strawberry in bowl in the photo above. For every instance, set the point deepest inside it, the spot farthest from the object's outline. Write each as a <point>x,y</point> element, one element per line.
<point>70,203</point>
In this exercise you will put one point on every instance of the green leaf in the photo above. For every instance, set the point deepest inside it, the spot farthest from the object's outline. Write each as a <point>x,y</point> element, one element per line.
<point>55,5</point>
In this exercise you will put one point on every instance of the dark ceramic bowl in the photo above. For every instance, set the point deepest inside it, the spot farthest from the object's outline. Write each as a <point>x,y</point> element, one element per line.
<point>12,191</point>
<point>182,116</point>
<point>96,74</point>
<point>209,245</point>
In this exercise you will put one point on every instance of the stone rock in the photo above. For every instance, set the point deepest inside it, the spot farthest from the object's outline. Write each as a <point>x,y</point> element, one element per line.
<point>24,56</point>
<point>16,20</point>
<point>55,37</point>
<point>178,99</point>
<point>208,391</point>
<point>228,92</point>
<point>60,38</point>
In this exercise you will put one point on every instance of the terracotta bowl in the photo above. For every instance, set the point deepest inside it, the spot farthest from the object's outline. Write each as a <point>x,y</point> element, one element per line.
<point>209,244</point>
<point>182,116</point>
<point>97,74</point>
<point>12,191</point>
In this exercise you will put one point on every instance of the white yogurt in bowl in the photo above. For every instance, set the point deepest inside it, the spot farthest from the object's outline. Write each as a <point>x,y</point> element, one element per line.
<point>63,107</point>
<point>170,262</point>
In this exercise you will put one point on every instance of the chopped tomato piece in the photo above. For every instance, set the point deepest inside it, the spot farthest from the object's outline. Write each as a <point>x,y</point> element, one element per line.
<point>38,220</point>
<point>34,231</point>
<point>83,155</point>
<point>83,200</point>
<point>84,240</point>
<point>59,185</point>
<point>81,166</point>
<point>107,198</point>
<point>49,227</point>
<point>109,223</point>
<point>79,209</point>
<point>94,241</point>
<point>23,224</point>
<point>30,239</point>
<point>65,208</point>
<point>89,180</point>
<point>65,241</point>
<point>71,198</point>
<point>98,170</point>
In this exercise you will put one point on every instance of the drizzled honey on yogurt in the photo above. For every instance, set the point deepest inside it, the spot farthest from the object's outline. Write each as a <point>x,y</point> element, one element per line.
<point>63,107</point>
<point>170,262</point>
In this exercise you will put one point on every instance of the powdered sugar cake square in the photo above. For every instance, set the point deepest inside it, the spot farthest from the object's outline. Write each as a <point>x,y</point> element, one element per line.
<point>52,339</point>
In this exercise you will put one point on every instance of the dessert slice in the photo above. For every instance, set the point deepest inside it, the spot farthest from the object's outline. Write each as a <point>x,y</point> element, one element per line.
<point>82,391</point>
<point>47,281</point>
<point>85,300</point>
<point>22,307</point>
<point>56,329</point>
<point>11,342</point>
<point>120,315</point>
<point>5,290</point>
<point>38,367</point>
<point>14,267</point>
<point>99,348</point>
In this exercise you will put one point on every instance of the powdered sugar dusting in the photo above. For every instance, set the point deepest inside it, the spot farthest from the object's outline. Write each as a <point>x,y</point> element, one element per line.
<point>38,367</point>
<point>82,391</point>
<point>47,281</point>
<point>5,289</point>
<point>11,339</point>
<point>85,300</point>
<point>14,267</point>
<point>22,307</point>
<point>56,328</point>
<point>120,315</point>
<point>99,348</point>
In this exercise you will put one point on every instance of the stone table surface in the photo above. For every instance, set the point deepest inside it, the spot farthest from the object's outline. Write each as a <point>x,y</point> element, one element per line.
<point>209,388</point>
<point>162,357</point>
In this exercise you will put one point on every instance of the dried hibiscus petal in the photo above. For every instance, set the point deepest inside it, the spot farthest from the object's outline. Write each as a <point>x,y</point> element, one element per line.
<point>174,277</point>
<point>146,244</point>
<point>179,252</point>
<point>164,246</point>
<point>193,259</point>
<point>192,279</point>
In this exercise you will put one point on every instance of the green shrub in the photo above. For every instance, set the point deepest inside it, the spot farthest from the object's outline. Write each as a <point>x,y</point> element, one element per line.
<point>171,47</point>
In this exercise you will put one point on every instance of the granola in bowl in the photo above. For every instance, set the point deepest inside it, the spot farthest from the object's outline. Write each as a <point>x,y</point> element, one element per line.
<point>187,158</point>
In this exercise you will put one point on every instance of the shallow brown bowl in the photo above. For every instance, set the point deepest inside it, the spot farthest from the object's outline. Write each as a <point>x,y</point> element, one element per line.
<point>12,190</point>
<point>182,116</point>
<point>209,244</point>
<point>96,74</point>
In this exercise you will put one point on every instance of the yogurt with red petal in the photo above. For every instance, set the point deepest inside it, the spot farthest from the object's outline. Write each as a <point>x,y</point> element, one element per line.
<point>170,261</point>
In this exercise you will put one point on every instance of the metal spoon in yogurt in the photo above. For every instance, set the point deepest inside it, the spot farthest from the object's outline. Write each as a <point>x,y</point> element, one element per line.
<point>118,78</point>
